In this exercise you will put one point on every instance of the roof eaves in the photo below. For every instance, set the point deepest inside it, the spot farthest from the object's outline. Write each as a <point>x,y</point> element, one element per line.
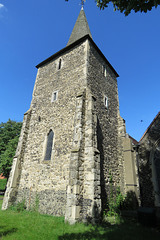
<point>63,50</point>
<point>102,55</point>
<point>67,48</point>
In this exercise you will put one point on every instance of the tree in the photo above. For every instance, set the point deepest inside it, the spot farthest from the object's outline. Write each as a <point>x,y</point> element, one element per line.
<point>9,135</point>
<point>126,6</point>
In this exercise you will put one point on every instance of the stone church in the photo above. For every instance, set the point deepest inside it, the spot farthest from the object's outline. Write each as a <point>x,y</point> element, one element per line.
<point>73,138</point>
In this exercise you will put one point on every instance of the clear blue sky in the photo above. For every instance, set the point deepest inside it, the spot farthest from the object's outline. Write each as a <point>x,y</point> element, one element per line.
<point>32,30</point>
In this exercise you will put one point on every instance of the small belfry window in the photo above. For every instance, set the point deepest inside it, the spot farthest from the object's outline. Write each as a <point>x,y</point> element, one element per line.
<point>54,96</point>
<point>106,101</point>
<point>48,151</point>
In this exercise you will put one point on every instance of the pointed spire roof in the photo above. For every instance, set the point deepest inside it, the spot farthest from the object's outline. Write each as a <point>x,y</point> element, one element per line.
<point>80,33</point>
<point>81,28</point>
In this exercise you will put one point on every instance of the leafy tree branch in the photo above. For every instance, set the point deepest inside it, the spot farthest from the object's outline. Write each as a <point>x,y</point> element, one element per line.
<point>126,6</point>
<point>9,135</point>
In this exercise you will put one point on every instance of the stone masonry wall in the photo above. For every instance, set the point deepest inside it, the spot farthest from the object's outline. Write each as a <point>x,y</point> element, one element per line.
<point>121,138</point>
<point>104,84</point>
<point>149,163</point>
<point>47,180</point>
<point>145,176</point>
<point>13,181</point>
<point>86,145</point>
<point>83,193</point>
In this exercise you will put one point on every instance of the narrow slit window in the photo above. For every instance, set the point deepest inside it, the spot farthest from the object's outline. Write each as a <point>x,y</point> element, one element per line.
<point>106,101</point>
<point>104,71</point>
<point>60,64</point>
<point>49,145</point>
<point>54,96</point>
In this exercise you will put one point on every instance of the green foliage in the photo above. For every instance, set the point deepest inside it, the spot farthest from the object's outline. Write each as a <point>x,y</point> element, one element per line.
<point>36,203</point>
<point>115,199</point>
<point>7,156</point>
<point>126,6</point>
<point>3,183</point>
<point>115,203</point>
<point>19,207</point>
<point>8,131</point>
<point>35,207</point>
<point>9,135</point>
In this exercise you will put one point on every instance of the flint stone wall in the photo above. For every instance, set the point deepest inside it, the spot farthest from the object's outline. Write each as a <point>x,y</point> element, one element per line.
<point>108,124</point>
<point>49,179</point>
<point>149,165</point>
<point>85,147</point>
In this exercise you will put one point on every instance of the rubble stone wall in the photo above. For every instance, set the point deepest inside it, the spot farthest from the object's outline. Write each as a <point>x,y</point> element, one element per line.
<point>86,148</point>
<point>47,180</point>
<point>149,165</point>
<point>103,83</point>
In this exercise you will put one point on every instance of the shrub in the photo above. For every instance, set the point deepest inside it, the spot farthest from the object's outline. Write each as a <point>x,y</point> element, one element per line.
<point>115,199</point>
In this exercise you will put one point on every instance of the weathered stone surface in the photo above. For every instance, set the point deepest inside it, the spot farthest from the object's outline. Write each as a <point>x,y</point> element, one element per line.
<point>36,173</point>
<point>69,98</point>
<point>107,125</point>
<point>149,165</point>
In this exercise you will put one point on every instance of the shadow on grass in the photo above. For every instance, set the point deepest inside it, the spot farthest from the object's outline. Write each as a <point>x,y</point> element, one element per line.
<point>97,232</point>
<point>107,231</point>
<point>5,232</point>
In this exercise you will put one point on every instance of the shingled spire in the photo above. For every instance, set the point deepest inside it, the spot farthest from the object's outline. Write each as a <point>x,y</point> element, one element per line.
<point>81,28</point>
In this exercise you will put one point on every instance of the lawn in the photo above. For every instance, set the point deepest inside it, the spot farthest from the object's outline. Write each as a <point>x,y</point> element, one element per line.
<point>33,226</point>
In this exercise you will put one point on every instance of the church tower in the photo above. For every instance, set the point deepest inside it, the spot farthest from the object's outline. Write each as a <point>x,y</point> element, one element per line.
<point>69,145</point>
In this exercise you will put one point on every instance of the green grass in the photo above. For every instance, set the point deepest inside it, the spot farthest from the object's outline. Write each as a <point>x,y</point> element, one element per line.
<point>33,226</point>
<point>3,183</point>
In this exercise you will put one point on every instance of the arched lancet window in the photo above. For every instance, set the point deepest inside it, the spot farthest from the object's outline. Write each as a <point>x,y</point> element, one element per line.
<point>49,145</point>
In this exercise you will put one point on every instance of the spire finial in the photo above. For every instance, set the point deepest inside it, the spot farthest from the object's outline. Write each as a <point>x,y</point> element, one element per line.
<point>82,3</point>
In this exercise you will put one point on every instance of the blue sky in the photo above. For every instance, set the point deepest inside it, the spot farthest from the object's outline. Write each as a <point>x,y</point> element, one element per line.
<point>32,30</point>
